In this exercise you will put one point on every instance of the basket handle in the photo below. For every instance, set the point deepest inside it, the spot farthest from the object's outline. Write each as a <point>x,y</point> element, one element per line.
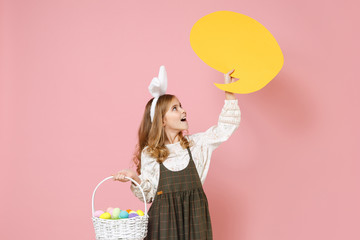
<point>93,196</point>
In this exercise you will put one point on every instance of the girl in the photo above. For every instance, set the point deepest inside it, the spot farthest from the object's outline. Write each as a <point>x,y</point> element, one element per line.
<point>172,167</point>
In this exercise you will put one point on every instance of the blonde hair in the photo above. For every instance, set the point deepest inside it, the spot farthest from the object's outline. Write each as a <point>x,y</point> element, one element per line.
<point>152,134</point>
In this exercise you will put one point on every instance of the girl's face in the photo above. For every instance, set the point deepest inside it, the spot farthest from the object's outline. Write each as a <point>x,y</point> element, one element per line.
<point>172,119</point>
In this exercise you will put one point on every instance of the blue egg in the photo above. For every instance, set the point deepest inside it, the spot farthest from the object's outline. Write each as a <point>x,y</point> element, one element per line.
<point>124,214</point>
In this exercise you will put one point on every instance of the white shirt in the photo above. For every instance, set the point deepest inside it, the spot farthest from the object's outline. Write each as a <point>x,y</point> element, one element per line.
<point>204,144</point>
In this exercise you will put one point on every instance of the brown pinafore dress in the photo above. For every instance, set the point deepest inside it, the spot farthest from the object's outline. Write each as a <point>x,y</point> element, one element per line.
<point>180,207</point>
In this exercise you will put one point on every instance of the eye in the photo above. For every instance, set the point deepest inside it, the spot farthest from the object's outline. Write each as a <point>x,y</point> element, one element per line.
<point>174,107</point>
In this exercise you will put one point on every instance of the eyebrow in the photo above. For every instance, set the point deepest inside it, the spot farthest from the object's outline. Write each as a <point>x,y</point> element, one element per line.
<point>175,105</point>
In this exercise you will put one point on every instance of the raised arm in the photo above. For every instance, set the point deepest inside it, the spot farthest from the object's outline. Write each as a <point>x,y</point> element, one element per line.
<point>229,120</point>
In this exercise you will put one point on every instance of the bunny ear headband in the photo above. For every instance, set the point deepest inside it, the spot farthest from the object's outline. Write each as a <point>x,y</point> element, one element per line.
<point>157,88</point>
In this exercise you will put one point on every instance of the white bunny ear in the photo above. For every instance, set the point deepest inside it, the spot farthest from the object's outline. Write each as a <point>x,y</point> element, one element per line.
<point>163,79</point>
<point>157,87</point>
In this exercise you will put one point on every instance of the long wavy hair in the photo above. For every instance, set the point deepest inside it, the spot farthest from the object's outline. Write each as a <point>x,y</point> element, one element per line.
<point>152,134</point>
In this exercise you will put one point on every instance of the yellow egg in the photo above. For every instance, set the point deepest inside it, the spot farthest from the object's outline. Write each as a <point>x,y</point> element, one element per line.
<point>227,40</point>
<point>140,213</point>
<point>105,215</point>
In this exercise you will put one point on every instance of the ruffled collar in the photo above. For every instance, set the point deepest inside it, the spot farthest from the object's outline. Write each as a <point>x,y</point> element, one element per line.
<point>172,144</point>
<point>174,148</point>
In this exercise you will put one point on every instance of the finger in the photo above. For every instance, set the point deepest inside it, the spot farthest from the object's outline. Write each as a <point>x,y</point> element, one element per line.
<point>118,176</point>
<point>231,71</point>
<point>123,179</point>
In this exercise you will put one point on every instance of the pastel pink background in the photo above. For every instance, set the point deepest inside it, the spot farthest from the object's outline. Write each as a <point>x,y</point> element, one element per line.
<point>74,78</point>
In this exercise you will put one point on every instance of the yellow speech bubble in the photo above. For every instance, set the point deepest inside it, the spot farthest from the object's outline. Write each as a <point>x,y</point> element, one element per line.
<point>227,40</point>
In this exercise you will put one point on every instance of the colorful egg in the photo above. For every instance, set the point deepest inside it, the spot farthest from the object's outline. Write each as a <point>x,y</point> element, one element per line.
<point>124,214</point>
<point>98,213</point>
<point>105,215</point>
<point>129,210</point>
<point>131,215</point>
<point>141,213</point>
<point>115,213</point>
<point>109,210</point>
<point>132,212</point>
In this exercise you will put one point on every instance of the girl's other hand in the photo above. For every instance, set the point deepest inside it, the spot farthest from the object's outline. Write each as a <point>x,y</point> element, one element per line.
<point>120,176</point>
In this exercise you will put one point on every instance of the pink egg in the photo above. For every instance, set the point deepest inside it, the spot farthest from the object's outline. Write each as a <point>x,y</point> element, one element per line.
<point>110,210</point>
<point>98,213</point>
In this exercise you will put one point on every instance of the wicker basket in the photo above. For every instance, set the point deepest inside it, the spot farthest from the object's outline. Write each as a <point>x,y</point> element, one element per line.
<point>126,228</point>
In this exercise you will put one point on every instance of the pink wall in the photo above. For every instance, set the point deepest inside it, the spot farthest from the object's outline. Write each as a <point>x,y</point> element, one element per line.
<point>74,78</point>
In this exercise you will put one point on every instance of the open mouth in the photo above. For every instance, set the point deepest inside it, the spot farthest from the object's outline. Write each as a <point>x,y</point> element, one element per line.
<point>183,119</point>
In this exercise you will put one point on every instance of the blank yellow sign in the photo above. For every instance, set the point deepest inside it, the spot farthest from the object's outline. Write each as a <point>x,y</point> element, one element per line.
<point>227,40</point>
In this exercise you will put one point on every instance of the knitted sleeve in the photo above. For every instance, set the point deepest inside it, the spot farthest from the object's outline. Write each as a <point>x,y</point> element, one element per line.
<point>208,141</point>
<point>228,122</point>
<point>149,178</point>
